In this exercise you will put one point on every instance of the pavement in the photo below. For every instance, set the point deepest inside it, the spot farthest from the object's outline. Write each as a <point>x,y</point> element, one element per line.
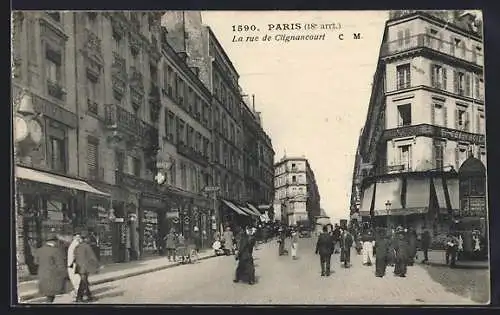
<point>281,280</point>
<point>27,290</point>
<point>437,258</point>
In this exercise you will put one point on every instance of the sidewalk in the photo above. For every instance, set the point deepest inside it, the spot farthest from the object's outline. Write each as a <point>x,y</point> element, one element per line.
<point>437,258</point>
<point>28,290</point>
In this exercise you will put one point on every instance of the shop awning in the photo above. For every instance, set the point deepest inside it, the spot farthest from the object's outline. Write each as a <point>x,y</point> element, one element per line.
<point>56,180</point>
<point>247,210</point>
<point>234,207</point>
<point>453,190</point>
<point>418,193</point>
<point>388,190</point>
<point>366,201</point>
<point>441,197</point>
<point>255,210</point>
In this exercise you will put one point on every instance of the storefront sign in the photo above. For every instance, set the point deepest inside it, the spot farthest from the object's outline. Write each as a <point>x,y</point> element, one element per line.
<point>151,202</point>
<point>474,207</point>
<point>54,111</point>
<point>433,131</point>
<point>172,214</point>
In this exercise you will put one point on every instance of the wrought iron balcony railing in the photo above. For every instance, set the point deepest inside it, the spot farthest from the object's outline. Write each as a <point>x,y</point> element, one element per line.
<point>119,119</point>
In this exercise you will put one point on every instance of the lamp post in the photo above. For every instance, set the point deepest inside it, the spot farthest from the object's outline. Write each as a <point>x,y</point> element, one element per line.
<point>388,205</point>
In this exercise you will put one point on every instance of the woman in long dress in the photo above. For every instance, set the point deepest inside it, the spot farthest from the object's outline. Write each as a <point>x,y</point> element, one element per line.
<point>295,243</point>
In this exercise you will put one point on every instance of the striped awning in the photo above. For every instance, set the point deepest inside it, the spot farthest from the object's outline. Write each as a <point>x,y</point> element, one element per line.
<point>234,207</point>
<point>249,211</point>
<point>255,210</point>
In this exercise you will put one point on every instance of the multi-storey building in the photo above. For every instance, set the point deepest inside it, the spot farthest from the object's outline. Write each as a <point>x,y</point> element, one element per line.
<point>202,51</point>
<point>422,151</point>
<point>296,192</point>
<point>258,160</point>
<point>118,105</point>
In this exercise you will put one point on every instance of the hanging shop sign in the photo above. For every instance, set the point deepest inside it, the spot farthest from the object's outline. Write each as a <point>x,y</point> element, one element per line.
<point>175,220</point>
<point>186,220</point>
<point>172,214</point>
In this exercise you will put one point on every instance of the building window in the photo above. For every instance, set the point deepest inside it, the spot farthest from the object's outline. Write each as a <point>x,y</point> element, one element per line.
<point>462,82</point>
<point>197,144</point>
<point>404,115</point>
<point>92,158</point>
<point>439,153</point>
<point>58,154</point>
<point>438,77</point>
<point>173,173</point>
<point>92,95</point>
<point>133,166</point>
<point>405,156</point>
<point>181,132</point>
<point>294,179</point>
<point>194,179</point>
<point>403,76</point>
<point>481,128</point>
<point>183,176</point>
<point>404,37</point>
<point>54,73</point>
<point>482,154</point>
<point>462,119</point>
<point>461,154</point>
<point>119,161</point>
<point>439,117</point>
<point>478,84</point>
<point>171,126</point>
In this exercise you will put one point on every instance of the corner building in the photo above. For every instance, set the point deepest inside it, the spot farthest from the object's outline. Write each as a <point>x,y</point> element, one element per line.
<point>422,152</point>
<point>296,191</point>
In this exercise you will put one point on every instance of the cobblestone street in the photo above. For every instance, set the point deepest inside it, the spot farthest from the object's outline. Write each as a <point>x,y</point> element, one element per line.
<point>281,280</point>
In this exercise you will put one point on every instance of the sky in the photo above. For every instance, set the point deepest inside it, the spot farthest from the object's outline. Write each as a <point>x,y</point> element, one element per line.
<point>313,95</point>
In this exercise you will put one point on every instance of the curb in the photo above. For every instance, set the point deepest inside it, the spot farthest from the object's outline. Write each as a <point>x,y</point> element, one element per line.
<point>35,295</point>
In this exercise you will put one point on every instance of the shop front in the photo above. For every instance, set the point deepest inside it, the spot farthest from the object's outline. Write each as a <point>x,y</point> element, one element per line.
<point>48,203</point>
<point>421,200</point>
<point>153,225</point>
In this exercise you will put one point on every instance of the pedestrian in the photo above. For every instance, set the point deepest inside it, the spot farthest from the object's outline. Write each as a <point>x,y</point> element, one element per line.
<point>368,239</point>
<point>412,244</point>
<point>86,264</point>
<point>451,248</point>
<point>382,253</point>
<point>170,242</point>
<point>336,236</point>
<point>74,277</point>
<point>181,249</point>
<point>401,249</point>
<point>325,247</point>
<point>295,243</point>
<point>391,258</point>
<point>346,241</point>
<point>426,244</point>
<point>197,239</point>
<point>281,241</point>
<point>245,271</point>
<point>51,268</point>
<point>94,243</point>
<point>228,241</point>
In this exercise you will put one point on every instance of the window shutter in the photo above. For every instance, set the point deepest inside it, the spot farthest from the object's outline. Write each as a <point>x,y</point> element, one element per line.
<point>434,153</point>
<point>452,45</point>
<point>92,159</point>
<point>427,36</point>
<point>445,116</point>
<point>455,81</point>
<point>478,122</point>
<point>467,84</point>
<point>408,76</point>
<point>466,121</point>
<point>407,37</point>
<point>400,38</point>
<point>457,160</point>
<point>444,79</point>
<point>457,118</point>
<point>433,114</point>
<point>440,41</point>
<point>433,75</point>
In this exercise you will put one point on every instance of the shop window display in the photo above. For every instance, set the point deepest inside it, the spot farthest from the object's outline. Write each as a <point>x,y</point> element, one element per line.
<point>150,222</point>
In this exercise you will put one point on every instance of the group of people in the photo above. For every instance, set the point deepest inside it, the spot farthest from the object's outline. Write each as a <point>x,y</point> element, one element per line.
<point>327,244</point>
<point>176,245</point>
<point>58,262</point>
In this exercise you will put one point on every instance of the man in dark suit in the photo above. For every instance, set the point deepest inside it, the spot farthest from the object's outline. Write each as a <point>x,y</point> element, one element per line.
<point>325,247</point>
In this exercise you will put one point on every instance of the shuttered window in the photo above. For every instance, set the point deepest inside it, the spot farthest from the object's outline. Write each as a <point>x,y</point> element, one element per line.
<point>92,158</point>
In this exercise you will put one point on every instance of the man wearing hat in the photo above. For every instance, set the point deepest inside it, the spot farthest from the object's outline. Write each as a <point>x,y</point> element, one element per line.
<point>51,268</point>
<point>86,263</point>
<point>74,277</point>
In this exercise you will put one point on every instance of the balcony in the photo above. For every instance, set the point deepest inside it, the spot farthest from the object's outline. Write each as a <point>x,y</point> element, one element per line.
<point>119,74</point>
<point>192,154</point>
<point>135,182</point>
<point>126,124</point>
<point>426,41</point>
<point>55,89</point>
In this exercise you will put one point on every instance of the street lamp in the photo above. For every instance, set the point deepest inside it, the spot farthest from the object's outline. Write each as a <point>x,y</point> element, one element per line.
<point>388,205</point>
